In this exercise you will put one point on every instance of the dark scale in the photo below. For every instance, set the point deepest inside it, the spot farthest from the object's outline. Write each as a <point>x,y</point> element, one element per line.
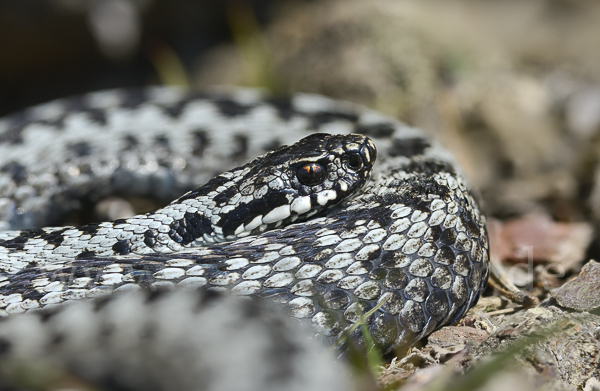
<point>122,247</point>
<point>257,207</point>
<point>416,290</point>
<point>373,254</point>
<point>390,259</point>
<point>89,229</point>
<point>459,291</point>
<point>447,237</point>
<point>150,237</point>
<point>56,237</point>
<point>19,285</point>
<point>25,274</point>
<point>473,229</point>
<point>223,197</point>
<point>437,304</point>
<point>188,229</point>
<point>445,255</point>
<point>383,329</point>
<point>434,233</point>
<point>475,278</point>
<point>378,273</point>
<point>336,299</point>
<point>413,319</point>
<point>462,265</point>
<point>414,186</point>
<point>32,294</point>
<point>462,244</point>
<point>393,304</point>
<point>396,279</point>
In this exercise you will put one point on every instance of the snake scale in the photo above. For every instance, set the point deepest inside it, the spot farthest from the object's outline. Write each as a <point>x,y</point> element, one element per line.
<point>300,226</point>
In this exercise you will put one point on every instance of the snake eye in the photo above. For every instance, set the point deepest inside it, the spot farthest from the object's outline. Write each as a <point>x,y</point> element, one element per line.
<point>311,174</point>
<point>353,161</point>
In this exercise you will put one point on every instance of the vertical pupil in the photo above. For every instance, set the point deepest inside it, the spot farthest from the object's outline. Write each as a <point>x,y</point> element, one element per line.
<point>311,174</point>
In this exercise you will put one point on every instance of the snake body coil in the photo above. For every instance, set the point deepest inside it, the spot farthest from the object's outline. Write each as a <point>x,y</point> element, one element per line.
<point>412,239</point>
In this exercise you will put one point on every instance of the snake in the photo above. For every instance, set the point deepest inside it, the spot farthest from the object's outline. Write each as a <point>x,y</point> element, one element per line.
<point>345,212</point>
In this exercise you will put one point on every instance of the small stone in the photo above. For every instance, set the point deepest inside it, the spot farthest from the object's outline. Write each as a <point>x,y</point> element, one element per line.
<point>581,293</point>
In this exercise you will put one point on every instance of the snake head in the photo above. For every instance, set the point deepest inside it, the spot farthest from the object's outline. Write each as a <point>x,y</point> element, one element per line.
<point>284,186</point>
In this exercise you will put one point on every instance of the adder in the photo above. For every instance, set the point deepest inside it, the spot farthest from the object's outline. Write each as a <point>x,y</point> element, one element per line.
<point>301,225</point>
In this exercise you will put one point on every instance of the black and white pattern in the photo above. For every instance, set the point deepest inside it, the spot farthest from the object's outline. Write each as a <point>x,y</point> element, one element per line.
<point>413,239</point>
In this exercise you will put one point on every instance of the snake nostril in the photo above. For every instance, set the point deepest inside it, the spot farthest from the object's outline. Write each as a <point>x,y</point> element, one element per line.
<point>353,161</point>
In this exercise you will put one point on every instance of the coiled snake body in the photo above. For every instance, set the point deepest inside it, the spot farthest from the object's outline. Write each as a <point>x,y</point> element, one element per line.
<point>411,240</point>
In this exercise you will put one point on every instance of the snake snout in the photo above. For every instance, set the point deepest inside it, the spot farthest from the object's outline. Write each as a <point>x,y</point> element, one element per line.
<point>368,152</point>
<point>360,155</point>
